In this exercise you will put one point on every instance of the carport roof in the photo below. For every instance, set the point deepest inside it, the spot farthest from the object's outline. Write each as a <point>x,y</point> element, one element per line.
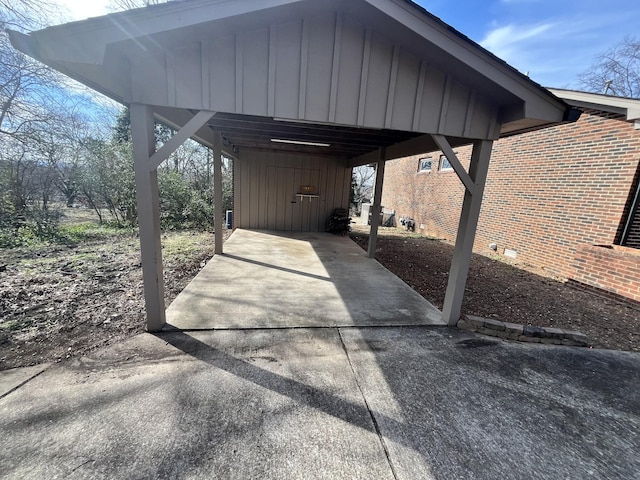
<point>401,42</point>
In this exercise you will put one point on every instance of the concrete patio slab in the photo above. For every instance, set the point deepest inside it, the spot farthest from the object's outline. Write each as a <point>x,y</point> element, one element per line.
<point>276,280</point>
<point>334,403</point>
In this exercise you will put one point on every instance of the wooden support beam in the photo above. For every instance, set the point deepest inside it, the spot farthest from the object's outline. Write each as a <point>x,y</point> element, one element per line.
<point>142,134</point>
<point>198,121</point>
<point>217,194</point>
<point>466,232</point>
<point>413,146</point>
<point>464,177</point>
<point>376,208</point>
<point>366,159</point>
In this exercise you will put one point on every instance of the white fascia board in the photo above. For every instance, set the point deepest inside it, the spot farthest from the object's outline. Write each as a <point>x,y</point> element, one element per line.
<point>476,57</point>
<point>86,41</point>
<point>630,107</point>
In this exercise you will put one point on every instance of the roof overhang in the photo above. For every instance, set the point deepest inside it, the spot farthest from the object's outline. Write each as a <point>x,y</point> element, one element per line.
<point>392,72</point>
<point>629,107</point>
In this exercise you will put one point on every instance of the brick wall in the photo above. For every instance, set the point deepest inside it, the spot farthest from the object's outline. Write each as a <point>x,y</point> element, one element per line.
<point>612,268</point>
<point>548,192</point>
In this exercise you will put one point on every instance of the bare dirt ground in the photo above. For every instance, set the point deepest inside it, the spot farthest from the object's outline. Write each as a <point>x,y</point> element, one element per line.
<point>60,301</point>
<point>511,293</point>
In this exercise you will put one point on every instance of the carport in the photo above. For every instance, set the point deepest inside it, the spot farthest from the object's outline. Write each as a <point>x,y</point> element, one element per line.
<point>298,92</point>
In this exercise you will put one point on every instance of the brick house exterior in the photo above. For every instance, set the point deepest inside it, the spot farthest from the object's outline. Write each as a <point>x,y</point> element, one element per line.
<point>564,198</point>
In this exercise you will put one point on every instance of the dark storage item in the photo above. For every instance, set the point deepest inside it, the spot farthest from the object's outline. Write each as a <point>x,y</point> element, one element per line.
<point>339,222</point>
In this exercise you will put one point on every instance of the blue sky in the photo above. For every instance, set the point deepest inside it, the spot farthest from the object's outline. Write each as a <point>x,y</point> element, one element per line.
<point>553,40</point>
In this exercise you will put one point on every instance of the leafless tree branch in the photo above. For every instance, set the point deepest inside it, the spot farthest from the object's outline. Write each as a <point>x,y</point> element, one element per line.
<point>615,71</point>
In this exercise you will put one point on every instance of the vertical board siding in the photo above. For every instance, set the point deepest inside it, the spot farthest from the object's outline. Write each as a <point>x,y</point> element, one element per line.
<point>432,96</point>
<point>145,69</point>
<point>288,62</point>
<point>243,181</point>
<point>205,55</point>
<point>254,195</point>
<point>335,69</point>
<point>222,74</point>
<point>188,76</point>
<point>270,203</point>
<point>170,72</point>
<point>393,80</point>
<point>319,65</point>
<point>484,118</point>
<point>457,111</point>
<point>380,65</point>
<point>239,68</point>
<point>351,56</point>
<point>319,69</point>
<point>266,194</point>
<point>255,71</point>
<point>406,91</point>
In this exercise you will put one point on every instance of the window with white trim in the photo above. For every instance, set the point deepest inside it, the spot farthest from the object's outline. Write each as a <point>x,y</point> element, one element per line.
<point>424,165</point>
<point>444,165</point>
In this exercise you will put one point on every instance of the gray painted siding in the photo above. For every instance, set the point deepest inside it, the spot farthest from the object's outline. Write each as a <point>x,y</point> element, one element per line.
<point>323,69</point>
<point>266,184</point>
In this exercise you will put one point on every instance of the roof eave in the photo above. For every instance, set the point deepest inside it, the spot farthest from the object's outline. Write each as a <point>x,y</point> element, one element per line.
<point>629,107</point>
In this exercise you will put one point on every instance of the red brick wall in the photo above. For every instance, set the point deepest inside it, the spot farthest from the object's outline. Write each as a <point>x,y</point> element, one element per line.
<point>614,269</point>
<point>548,192</point>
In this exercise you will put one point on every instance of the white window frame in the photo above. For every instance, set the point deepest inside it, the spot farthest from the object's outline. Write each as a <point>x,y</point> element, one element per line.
<point>441,160</point>
<point>423,161</point>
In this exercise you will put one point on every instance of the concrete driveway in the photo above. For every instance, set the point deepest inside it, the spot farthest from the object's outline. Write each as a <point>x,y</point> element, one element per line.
<point>327,403</point>
<point>303,359</point>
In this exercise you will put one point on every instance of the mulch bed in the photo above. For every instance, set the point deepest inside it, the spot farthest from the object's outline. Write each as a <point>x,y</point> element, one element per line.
<point>499,290</point>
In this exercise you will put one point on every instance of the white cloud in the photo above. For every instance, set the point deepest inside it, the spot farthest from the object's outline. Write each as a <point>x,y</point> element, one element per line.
<point>507,40</point>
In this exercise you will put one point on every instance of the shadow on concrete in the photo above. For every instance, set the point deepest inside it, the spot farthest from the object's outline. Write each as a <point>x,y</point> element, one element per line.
<point>494,409</point>
<point>280,280</point>
<point>304,394</point>
<point>282,269</point>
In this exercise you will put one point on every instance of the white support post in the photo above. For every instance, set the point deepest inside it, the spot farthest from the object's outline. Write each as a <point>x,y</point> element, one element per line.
<point>217,194</point>
<point>143,137</point>
<point>466,232</point>
<point>376,208</point>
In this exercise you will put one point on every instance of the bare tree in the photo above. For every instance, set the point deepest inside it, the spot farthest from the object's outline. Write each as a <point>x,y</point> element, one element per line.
<point>615,71</point>
<point>362,180</point>
<point>36,114</point>
<point>25,14</point>
<point>26,87</point>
